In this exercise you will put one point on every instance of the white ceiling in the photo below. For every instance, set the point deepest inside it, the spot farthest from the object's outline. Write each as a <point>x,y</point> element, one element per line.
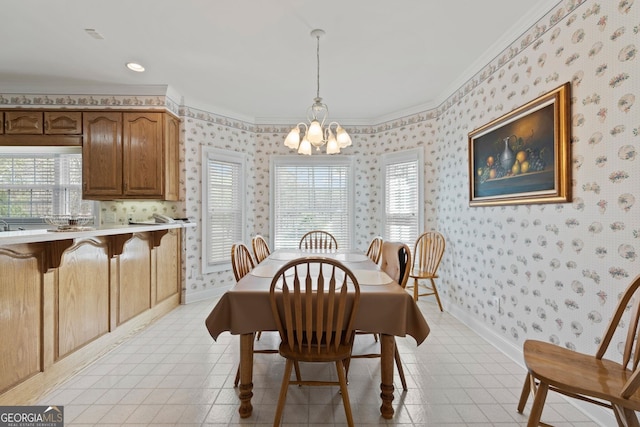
<point>255,59</point>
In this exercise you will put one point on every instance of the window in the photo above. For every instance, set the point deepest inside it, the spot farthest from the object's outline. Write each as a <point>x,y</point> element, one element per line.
<point>40,181</point>
<point>311,194</point>
<point>403,195</point>
<point>223,217</point>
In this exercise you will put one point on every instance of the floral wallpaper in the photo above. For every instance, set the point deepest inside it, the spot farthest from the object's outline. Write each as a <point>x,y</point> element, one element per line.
<point>555,269</point>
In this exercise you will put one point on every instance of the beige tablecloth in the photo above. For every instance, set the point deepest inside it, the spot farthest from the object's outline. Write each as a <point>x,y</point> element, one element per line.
<point>384,308</point>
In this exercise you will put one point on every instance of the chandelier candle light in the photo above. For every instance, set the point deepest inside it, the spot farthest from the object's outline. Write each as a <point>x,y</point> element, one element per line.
<point>316,134</point>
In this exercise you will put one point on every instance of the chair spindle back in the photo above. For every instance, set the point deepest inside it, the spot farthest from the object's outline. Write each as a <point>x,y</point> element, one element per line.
<point>318,239</point>
<point>241,260</point>
<point>317,304</point>
<point>260,248</point>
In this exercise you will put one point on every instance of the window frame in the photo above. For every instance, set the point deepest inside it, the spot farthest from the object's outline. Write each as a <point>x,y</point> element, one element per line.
<point>413,154</point>
<point>210,153</point>
<point>319,160</point>
<point>58,205</point>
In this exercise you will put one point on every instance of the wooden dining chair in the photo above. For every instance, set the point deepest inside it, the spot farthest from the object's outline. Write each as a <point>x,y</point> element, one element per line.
<point>260,248</point>
<point>318,239</point>
<point>242,264</point>
<point>260,252</point>
<point>241,260</point>
<point>396,262</point>
<point>314,301</point>
<point>593,379</point>
<point>375,249</point>
<point>427,253</point>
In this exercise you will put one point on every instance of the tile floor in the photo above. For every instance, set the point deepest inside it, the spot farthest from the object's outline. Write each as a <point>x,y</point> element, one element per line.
<point>173,373</point>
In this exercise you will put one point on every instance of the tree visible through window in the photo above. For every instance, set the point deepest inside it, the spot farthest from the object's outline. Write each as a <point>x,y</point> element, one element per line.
<point>49,182</point>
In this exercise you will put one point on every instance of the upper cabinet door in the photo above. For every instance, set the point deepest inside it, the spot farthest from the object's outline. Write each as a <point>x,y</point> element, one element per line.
<point>142,155</point>
<point>171,158</point>
<point>102,155</point>
<point>23,122</point>
<point>63,122</point>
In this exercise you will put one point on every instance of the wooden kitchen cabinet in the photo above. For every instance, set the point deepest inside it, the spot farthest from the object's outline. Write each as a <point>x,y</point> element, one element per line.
<point>142,162</point>
<point>102,155</point>
<point>130,155</point>
<point>63,122</point>
<point>43,122</point>
<point>23,122</point>
<point>171,158</point>
<point>1,122</point>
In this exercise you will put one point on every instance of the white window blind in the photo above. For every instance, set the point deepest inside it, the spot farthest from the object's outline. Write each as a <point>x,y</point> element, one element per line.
<point>311,194</point>
<point>35,184</point>
<point>223,219</point>
<point>402,174</point>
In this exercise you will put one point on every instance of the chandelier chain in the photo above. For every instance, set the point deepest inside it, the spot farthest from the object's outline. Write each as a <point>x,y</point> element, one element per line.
<point>318,66</point>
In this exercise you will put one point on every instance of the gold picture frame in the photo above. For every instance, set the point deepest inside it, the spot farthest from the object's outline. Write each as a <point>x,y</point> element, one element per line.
<point>524,156</point>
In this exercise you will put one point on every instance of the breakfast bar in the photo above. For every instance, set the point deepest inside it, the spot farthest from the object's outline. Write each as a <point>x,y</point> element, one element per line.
<point>69,295</point>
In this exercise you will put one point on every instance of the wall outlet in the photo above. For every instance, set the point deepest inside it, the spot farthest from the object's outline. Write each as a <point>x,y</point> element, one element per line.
<point>496,303</point>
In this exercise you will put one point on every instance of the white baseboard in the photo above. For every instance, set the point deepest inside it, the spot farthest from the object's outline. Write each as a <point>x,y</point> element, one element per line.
<point>598,414</point>
<point>196,296</point>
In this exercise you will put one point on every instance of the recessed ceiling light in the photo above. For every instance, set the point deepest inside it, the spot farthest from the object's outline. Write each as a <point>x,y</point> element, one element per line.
<point>134,66</point>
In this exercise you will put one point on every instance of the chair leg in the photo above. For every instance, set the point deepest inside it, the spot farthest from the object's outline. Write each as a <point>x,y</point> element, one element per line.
<point>631,418</point>
<point>297,369</point>
<point>346,364</point>
<point>415,289</point>
<point>400,370</point>
<point>283,393</point>
<point>259,334</point>
<point>524,395</point>
<point>345,392</point>
<point>435,291</point>
<point>624,416</point>
<point>237,380</point>
<point>620,417</point>
<point>538,405</point>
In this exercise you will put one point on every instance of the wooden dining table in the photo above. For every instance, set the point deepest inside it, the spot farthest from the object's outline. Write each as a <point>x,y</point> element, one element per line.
<point>385,308</point>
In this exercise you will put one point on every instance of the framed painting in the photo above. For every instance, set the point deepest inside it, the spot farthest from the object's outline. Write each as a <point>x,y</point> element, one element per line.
<point>523,157</point>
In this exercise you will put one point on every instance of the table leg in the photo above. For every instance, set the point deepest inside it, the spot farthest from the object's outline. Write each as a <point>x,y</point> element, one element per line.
<point>387,349</point>
<point>246,374</point>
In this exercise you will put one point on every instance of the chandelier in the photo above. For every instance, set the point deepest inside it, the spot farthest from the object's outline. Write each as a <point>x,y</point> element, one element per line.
<point>316,134</point>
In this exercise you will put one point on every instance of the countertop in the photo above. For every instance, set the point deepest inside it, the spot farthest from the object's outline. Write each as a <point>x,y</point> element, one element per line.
<point>50,235</point>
